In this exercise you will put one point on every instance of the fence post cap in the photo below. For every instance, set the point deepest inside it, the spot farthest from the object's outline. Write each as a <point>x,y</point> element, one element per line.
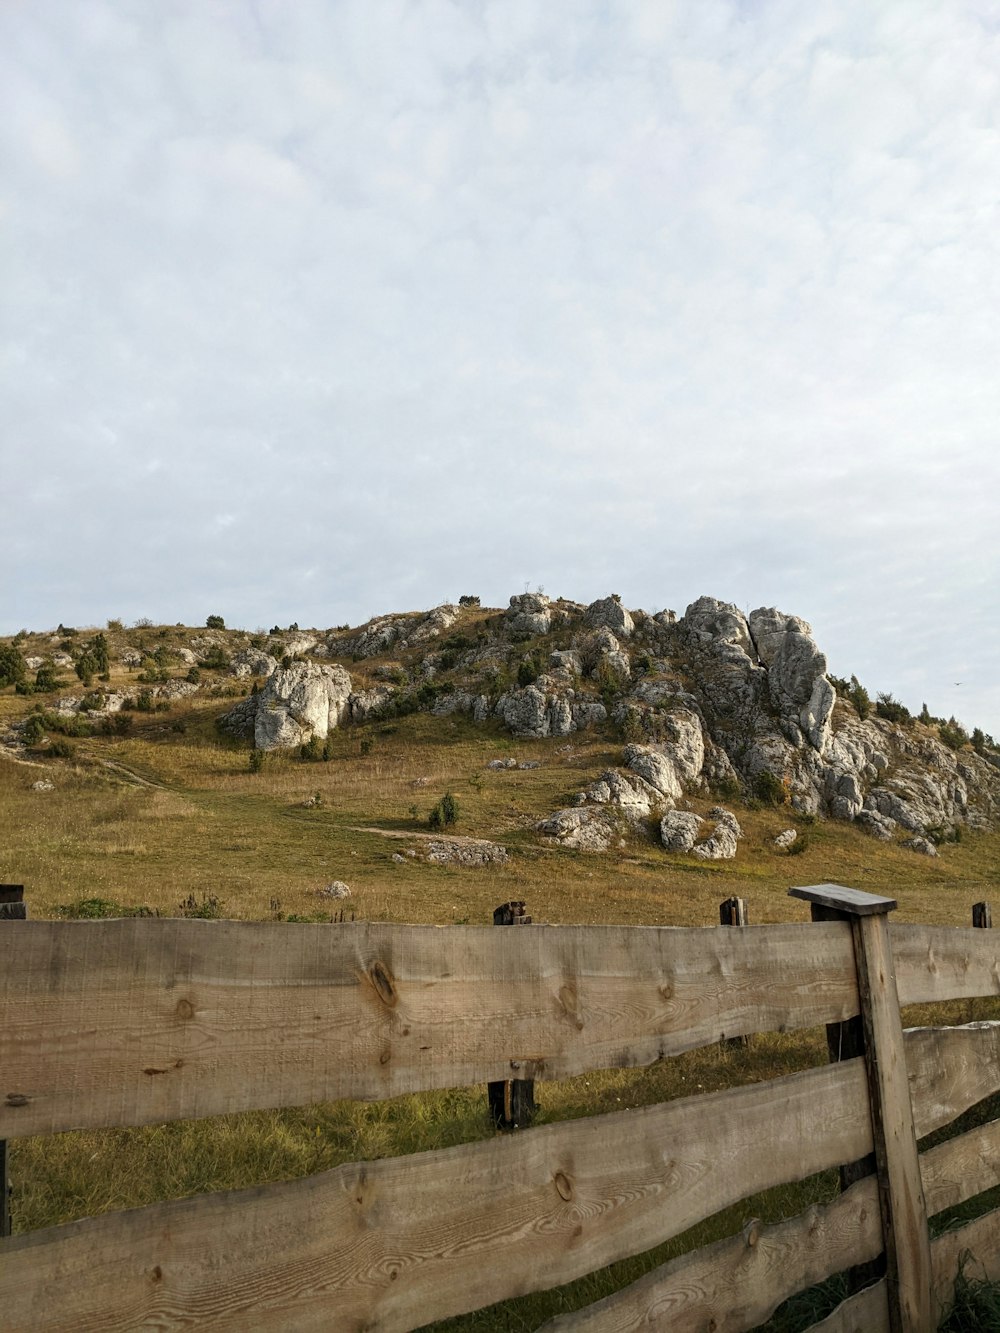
<point>852,902</point>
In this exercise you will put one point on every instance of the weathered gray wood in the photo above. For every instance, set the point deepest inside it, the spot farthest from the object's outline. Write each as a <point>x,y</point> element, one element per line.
<point>855,902</point>
<point>982,916</point>
<point>961,1168</point>
<point>130,1022</point>
<point>901,1196</point>
<point>951,1069</point>
<point>511,1101</point>
<point>397,1243</point>
<point>12,908</point>
<point>737,1283</point>
<point>936,963</point>
<point>866,1311</point>
<point>733,912</point>
<point>974,1246</point>
<point>977,1244</point>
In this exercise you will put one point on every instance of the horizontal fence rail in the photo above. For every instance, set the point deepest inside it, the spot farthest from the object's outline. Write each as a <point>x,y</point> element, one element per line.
<point>402,1241</point>
<point>131,1022</point>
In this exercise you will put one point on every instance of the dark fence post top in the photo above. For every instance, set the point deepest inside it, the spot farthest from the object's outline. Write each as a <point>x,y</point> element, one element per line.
<point>852,902</point>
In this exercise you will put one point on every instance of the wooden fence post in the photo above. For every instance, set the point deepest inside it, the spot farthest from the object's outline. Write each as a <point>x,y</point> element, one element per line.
<point>12,908</point>
<point>982,917</point>
<point>733,912</point>
<point>900,1189</point>
<point>512,1102</point>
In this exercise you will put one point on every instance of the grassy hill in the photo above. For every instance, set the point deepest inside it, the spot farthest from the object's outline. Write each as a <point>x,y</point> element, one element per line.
<point>164,814</point>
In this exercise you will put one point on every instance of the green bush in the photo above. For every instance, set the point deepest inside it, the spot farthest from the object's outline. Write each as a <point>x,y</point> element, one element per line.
<point>209,908</point>
<point>445,813</point>
<point>12,665</point>
<point>891,709</point>
<point>215,622</point>
<point>257,760</point>
<point>34,729</point>
<point>46,681</point>
<point>769,789</point>
<point>953,734</point>
<point>216,659</point>
<point>60,749</point>
<point>92,909</point>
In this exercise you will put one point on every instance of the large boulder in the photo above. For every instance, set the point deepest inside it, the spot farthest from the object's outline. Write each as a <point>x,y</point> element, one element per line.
<point>679,830</point>
<point>632,794</point>
<point>529,614</point>
<point>797,681</point>
<point>720,845</point>
<point>609,613</point>
<point>585,828</point>
<point>299,702</point>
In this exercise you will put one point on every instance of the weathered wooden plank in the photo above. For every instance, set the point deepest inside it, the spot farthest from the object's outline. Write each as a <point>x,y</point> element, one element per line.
<point>976,1246</point>
<point>945,963</point>
<point>900,1189</point>
<point>737,1283</point>
<point>393,1244</point>
<point>853,901</point>
<point>950,1069</point>
<point>961,1168</point>
<point>977,1243</point>
<point>130,1022</point>
<point>867,1311</point>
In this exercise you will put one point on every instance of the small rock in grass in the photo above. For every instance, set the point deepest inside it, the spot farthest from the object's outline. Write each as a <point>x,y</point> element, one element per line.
<point>785,839</point>
<point>338,889</point>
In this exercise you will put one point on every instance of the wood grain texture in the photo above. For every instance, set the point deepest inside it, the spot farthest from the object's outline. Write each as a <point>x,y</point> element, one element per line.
<point>737,1283</point>
<point>976,1245</point>
<point>961,1168</point>
<point>109,1023</point>
<point>950,1069</point>
<point>393,1244</point>
<point>945,963</point>
<point>900,1188</point>
<point>866,1311</point>
<point>854,902</point>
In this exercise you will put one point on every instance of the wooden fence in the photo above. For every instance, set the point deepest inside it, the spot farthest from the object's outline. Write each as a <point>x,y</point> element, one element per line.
<point>130,1022</point>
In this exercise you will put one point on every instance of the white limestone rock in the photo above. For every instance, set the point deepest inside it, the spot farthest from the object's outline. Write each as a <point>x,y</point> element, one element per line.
<point>720,845</point>
<point>785,839</point>
<point>609,612</point>
<point>299,702</point>
<point>529,613</point>
<point>584,828</point>
<point>679,830</point>
<point>249,662</point>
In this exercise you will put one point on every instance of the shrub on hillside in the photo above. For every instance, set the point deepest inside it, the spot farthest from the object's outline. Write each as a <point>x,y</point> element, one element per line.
<point>953,734</point>
<point>215,622</point>
<point>769,789</point>
<point>12,665</point>
<point>445,813</point>
<point>892,710</point>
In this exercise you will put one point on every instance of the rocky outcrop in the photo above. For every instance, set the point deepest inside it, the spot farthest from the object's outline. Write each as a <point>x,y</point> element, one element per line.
<point>298,703</point>
<point>679,830</point>
<point>466,852</point>
<point>798,687</point>
<point>628,792</point>
<point>583,828</point>
<point>609,613</point>
<point>532,712</point>
<point>529,613</point>
<point>252,662</point>
<point>720,845</point>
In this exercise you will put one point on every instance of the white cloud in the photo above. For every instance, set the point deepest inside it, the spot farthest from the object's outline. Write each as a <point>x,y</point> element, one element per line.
<point>666,298</point>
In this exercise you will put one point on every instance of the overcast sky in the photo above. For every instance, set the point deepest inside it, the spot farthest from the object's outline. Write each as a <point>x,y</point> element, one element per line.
<point>317,310</point>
